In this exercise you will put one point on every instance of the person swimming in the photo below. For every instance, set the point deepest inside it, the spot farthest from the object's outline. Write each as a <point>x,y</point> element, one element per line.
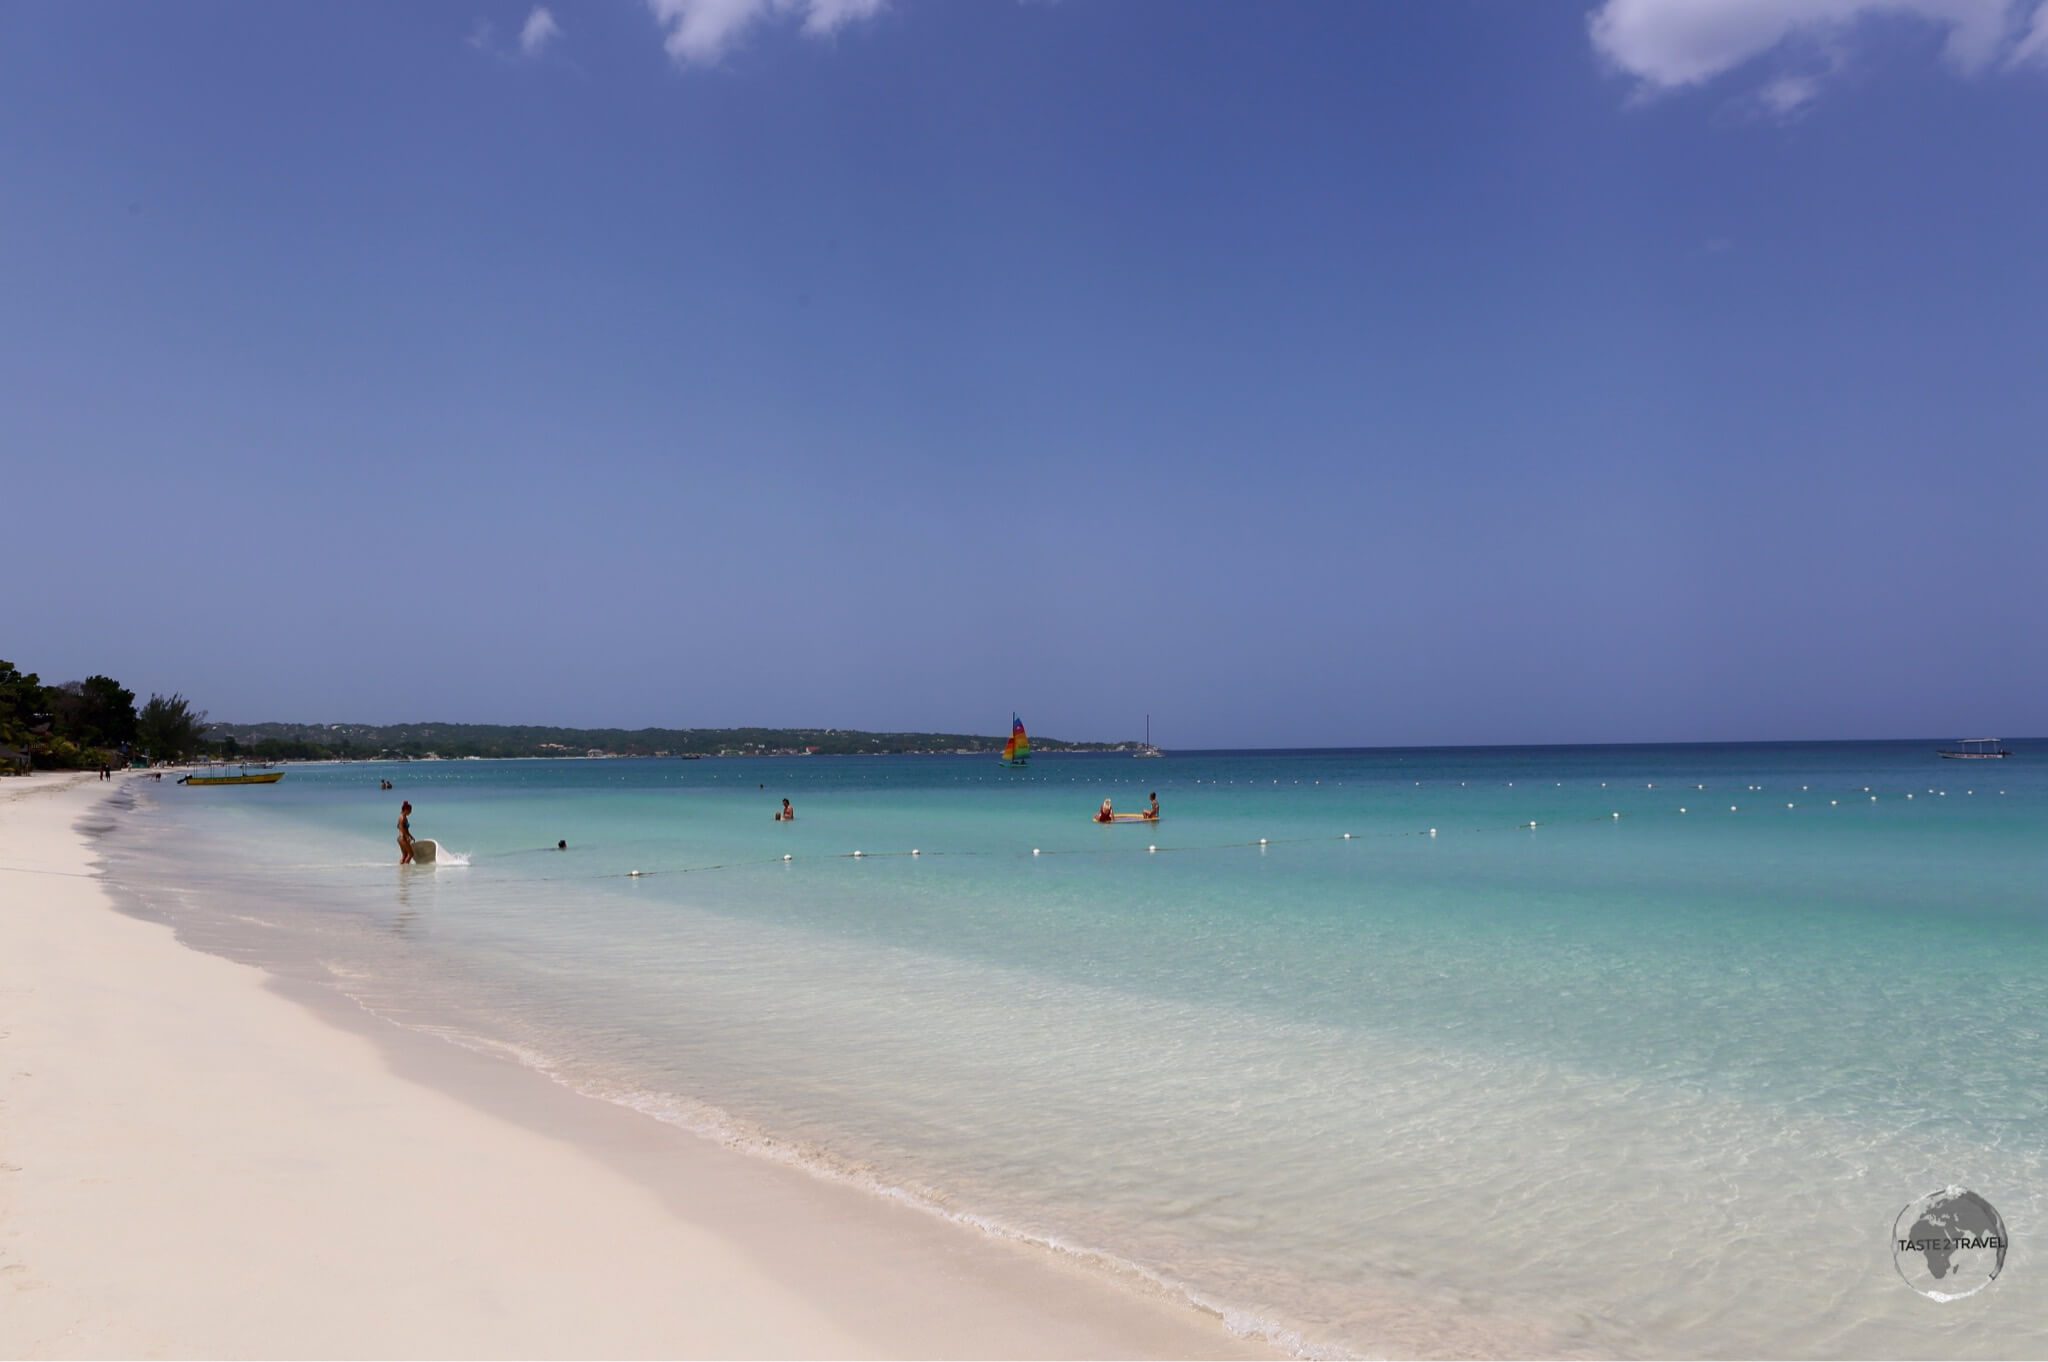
<point>1105,814</point>
<point>405,833</point>
<point>562,845</point>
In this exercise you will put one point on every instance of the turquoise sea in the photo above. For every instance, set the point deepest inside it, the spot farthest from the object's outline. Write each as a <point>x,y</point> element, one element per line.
<point>1588,1051</point>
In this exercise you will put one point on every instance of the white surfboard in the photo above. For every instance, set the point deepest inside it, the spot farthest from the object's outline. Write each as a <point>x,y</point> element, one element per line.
<point>423,849</point>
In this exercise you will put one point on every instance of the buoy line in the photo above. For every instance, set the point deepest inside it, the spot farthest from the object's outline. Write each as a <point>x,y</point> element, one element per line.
<point>919,853</point>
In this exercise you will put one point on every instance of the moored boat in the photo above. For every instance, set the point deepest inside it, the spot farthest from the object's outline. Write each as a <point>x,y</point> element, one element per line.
<point>244,778</point>
<point>1975,749</point>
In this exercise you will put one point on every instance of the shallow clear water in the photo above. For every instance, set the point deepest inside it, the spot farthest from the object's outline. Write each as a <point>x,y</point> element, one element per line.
<point>1655,1082</point>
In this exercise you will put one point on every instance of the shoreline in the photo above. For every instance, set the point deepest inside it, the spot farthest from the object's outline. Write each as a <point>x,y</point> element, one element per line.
<point>202,1158</point>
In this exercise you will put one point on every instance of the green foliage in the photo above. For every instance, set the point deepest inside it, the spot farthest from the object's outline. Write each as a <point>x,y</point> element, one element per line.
<point>169,729</point>
<point>95,712</point>
<point>21,705</point>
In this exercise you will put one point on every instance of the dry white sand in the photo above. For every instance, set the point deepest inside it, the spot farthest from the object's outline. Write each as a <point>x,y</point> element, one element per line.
<point>193,1163</point>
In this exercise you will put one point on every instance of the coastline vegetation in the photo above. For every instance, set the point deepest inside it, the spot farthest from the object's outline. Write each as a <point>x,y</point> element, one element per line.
<point>287,742</point>
<point>95,722</point>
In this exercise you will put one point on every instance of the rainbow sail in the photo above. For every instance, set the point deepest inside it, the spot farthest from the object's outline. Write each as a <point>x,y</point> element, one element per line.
<point>1017,751</point>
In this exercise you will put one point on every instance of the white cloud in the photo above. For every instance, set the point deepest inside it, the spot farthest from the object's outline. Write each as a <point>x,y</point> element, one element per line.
<point>700,32</point>
<point>540,30</point>
<point>2033,44</point>
<point>1788,94</point>
<point>823,16</point>
<point>1669,44</point>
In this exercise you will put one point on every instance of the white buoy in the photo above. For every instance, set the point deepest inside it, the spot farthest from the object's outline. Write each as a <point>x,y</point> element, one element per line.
<point>1833,802</point>
<point>785,855</point>
<point>1347,836</point>
<point>914,851</point>
<point>1681,810</point>
<point>1262,841</point>
<point>1731,808</point>
<point>1617,815</point>
<point>1532,822</point>
<point>1034,851</point>
<point>857,853</point>
<point>1151,848</point>
<point>631,873</point>
<point>1432,832</point>
<point>1788,806</point>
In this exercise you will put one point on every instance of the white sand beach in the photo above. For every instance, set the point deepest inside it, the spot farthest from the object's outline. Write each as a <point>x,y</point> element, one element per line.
<point>194,1162</point>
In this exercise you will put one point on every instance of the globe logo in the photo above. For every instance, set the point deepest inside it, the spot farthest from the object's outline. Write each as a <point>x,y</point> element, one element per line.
<point>1949,1244</point>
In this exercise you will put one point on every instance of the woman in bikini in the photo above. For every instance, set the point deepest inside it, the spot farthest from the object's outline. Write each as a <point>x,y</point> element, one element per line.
<point>405,833</point>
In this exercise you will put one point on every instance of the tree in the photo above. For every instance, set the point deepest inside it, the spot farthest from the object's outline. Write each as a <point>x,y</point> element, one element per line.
<point>95,712</point>
<point>21,703</point>
<point>169,729</point>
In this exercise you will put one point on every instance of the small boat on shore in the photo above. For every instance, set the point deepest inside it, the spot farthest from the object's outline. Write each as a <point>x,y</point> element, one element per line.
<point>1975,749</point>
<point>244,778</point>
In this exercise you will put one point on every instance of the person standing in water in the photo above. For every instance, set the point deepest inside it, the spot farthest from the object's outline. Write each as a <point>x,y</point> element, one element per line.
<point>785,814</point>
<point>405,833</point>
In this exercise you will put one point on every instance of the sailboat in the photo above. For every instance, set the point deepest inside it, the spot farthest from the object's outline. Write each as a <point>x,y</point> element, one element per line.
<point>1146,749</point>
<point>1017,751</point>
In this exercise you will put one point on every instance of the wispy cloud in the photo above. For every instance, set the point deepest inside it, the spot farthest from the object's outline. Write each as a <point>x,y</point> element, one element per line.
<point>2032,46</point>
<point>540,30</point>
<point>1671,44</point>
<point>701,32</point>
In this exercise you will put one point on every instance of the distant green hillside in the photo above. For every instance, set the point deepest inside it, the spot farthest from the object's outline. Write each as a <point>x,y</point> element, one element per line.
<point>366,741</point>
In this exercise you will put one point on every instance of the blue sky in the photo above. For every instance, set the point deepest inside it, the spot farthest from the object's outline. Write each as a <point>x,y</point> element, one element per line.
<point>1299,374</point>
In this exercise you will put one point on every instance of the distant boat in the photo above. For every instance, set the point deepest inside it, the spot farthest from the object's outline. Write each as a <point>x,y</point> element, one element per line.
<point>1146,749</point>
<point>1975,749</point>
<point>245,778</point>
<point>1017,751</point>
